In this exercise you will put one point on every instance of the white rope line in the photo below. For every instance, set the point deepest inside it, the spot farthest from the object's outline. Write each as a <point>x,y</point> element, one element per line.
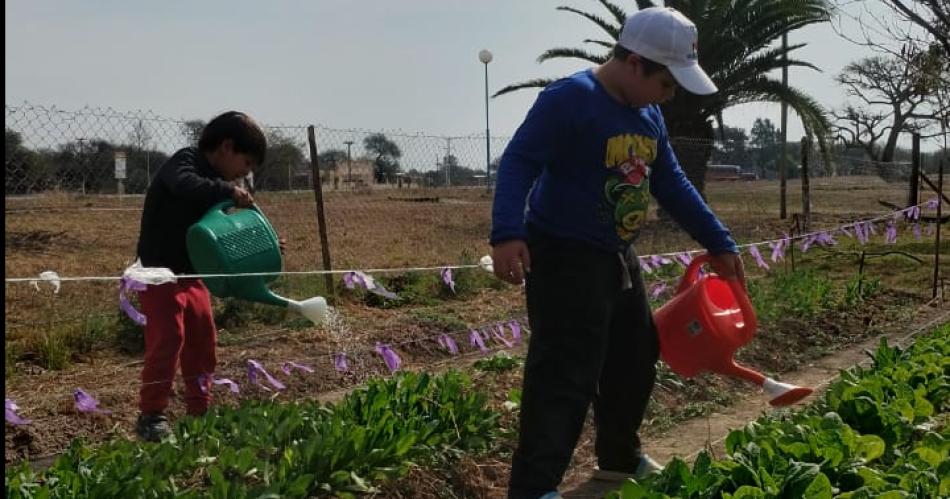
<point>801,236</point>
<point>250,274</point>
<point>850,225</point>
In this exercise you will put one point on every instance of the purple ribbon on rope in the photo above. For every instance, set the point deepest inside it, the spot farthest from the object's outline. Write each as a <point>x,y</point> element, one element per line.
<point>891,233</point>
<point>447,278</point>
<point>658,289</point>
<point>645,264</point>
<point>824,239</point>
<point>86,403</point>
<point>389,356</point>
<point>254,368</point>
<point>659,261</point>
<point>778,248</point>
<point>860,232</point>
<point>807,243</point>
<point>125,285</point>
<point>912,213</point>
<point>203,380</point>
<point>499,332</point>
<point>352,279</point>
<point>290,365</point>
<point>754,251</point>
<point>515,331</point>
<point>340,363</point>
<point>449,343</point>
<point>475,339</point>
<point>684,258</point>
<point>11,416</point>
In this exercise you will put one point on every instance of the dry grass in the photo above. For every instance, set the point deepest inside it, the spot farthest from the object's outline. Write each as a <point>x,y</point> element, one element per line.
<point>96,236</point>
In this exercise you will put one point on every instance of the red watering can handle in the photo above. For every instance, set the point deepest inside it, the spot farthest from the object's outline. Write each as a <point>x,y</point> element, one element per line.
<point>692,273</point>
<point>750,324</point>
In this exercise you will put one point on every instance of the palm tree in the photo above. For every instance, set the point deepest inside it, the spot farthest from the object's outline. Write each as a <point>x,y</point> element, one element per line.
<point>735,49</point>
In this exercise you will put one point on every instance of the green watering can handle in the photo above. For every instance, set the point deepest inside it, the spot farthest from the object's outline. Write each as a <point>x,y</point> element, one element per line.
<point>227,204</point>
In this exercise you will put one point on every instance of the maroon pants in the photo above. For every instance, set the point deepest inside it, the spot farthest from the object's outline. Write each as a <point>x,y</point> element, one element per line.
<point>179,328</point>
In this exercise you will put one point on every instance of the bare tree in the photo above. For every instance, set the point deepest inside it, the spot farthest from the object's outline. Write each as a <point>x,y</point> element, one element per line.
<point>897,98</point>
<point>931,15</point>
<point>913,35</point>
<point>140,136</point>
<point>900,28</point>
<point>860,129</point>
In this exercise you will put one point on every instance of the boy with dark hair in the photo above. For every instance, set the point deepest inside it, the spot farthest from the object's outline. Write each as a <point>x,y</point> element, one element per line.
<point>179,321</point>
<point>590,152</point>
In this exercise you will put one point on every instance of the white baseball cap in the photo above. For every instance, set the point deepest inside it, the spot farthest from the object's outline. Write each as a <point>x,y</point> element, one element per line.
<point>667,37</point>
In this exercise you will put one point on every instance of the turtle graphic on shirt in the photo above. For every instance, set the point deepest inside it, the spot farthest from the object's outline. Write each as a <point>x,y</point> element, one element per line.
<point>629,203</point>
<point>627,189</point>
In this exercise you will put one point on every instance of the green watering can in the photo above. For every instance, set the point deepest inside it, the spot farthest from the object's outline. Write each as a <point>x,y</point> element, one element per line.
<point>243,242</point>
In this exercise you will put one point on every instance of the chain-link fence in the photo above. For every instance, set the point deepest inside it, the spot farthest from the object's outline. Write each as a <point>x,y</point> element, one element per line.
<point>391,198</point>
<point>75,182</point>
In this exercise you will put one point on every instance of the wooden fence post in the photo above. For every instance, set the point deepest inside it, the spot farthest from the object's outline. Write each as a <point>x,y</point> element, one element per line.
<point>914,171</point>
<point>321,215</point>
<point>939,223</point>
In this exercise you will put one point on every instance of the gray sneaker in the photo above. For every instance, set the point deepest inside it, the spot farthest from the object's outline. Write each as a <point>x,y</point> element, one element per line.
<point>646,466</point>
<point>152,427</point>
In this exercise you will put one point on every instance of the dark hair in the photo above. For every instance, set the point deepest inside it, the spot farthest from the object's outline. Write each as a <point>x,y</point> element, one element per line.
<point>247,136</point>
<point>649,66</point>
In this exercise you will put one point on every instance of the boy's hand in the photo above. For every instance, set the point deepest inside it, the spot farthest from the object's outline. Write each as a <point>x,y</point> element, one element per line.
<point>511,260</point>
<point>282,243</point>
<point>728,266</point>
<point>242,198</point>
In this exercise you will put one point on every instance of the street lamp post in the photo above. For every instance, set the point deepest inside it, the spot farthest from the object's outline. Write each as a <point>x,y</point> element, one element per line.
<point>485,56</point>
<point>349,164</point>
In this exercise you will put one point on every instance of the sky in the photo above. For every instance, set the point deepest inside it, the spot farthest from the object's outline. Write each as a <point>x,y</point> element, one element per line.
<point>410,65</point>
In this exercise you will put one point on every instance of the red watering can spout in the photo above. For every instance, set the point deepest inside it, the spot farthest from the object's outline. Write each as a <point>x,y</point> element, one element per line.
<point>705,323</point>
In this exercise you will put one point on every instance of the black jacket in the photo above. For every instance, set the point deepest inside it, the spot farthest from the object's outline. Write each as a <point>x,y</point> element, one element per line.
<point>183,190</point>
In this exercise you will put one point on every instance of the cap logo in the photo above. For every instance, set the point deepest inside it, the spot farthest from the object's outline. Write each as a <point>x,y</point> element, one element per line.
<point>694,54</point>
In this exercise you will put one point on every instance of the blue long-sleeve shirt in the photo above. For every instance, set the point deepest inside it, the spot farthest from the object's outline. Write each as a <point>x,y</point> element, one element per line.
<point>590,164</point>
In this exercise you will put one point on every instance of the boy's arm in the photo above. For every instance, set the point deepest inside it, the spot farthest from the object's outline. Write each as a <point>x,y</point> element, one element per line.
<point>183,180</point>
<point>534,145</point>
<point>677,195</point>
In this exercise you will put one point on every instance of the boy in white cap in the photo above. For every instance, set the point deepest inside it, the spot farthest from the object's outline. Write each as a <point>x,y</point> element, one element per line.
<point>590,152</point>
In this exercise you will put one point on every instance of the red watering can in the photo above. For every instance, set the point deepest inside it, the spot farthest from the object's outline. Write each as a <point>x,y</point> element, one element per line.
<point>701,328</point>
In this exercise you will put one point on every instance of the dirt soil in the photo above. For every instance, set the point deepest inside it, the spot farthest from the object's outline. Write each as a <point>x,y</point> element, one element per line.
<point>804,352</point>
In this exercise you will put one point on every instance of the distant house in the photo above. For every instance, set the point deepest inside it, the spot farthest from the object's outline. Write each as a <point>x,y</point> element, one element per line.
<point>349,175</point>
<point>728,172</point>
